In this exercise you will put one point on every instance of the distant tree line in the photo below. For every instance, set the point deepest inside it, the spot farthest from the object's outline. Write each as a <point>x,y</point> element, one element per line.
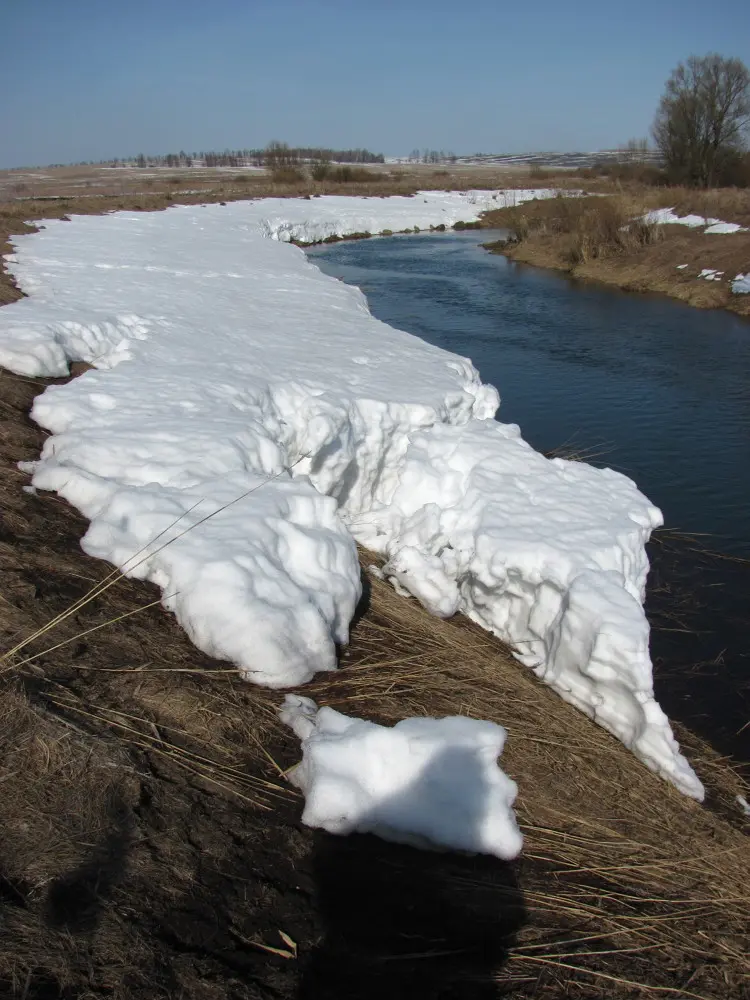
<point>431,156</point>
<point>273,155</point>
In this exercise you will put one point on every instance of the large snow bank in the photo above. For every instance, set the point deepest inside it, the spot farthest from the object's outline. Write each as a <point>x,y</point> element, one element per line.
<point>230,366</point>
<point>426,782</point>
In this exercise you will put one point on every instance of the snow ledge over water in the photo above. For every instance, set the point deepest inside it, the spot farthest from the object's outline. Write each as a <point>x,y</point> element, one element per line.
<point>241,393</point>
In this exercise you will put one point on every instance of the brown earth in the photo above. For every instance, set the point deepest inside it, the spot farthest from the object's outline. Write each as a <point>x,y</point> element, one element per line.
<point>150,845</point>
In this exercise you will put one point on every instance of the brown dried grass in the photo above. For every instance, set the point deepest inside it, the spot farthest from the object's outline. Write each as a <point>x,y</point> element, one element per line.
<point>627,884</point>
<point>600,238</point>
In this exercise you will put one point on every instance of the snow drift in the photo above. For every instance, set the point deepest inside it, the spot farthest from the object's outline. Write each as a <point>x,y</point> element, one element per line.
<point>425,782</point>
<point>239,387</point>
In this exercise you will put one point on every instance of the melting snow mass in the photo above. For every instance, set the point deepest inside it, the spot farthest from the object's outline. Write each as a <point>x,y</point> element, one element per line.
<point>232,376</point>
<point>425,782</point>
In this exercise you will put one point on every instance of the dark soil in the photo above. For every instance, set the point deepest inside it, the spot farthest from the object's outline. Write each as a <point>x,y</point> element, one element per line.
<point>178,889</point>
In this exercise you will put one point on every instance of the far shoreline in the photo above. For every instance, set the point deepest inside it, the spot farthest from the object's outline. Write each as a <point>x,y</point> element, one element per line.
<point>668,265</point>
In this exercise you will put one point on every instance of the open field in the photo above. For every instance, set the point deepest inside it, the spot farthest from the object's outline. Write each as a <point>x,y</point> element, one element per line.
<point>54,192</point>
<point>84,182</point>
<point>150,845</point>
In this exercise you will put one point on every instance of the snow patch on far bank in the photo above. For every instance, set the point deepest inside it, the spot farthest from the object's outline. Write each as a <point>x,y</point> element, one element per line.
<point>741,284</point>
<point>667,216</point>
<point>236,380</point>
<point>425,782</point>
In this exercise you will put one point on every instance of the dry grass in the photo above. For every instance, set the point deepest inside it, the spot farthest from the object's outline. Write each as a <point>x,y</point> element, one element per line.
<point>727,204</point>
<point>626,884</point>
<point>593,228</point>
<point>597,238</point>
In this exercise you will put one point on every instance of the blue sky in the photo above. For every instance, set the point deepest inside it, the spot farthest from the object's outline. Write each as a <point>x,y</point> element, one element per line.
<point>91,79</point>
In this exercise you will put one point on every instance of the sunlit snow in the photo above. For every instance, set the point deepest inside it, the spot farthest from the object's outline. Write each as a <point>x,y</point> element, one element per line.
<point>667,216</point>
<point>425,782</point>
<point>230,367</point>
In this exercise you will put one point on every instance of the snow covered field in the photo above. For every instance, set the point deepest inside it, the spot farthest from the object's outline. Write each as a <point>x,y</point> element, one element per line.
<point>238,383</point>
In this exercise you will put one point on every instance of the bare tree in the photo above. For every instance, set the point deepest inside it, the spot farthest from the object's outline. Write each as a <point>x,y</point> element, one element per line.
<point>702,121</point>
<point>634,150</point>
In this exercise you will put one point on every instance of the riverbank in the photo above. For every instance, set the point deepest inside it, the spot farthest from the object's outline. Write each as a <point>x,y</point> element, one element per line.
<point>592,238</point>
<point>57,192</point>
<point>151,844</point>
<point>583,363</point>
<point>166,839</point>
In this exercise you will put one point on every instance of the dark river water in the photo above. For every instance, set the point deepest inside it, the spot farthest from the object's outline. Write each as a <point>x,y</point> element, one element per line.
<point>656,389</point>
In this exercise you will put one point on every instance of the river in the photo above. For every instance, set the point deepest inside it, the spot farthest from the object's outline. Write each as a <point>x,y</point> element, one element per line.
<point>646,385</point>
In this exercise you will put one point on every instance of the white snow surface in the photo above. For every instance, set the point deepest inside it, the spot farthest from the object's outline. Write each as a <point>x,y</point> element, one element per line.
<point>425,782</point>
<point>741,284</point>
<point>667,216</point>
<point>228,366</point>
<point>710,274</point>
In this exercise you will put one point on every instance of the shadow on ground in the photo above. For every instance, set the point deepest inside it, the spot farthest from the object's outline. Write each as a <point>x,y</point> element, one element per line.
<point>76,899</point>
<point>400,922</point>
<point>406,922</point>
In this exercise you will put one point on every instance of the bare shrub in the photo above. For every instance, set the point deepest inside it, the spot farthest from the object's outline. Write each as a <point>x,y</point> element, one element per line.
<point>346,174</point>
<point>288,175</point>
<point>320,170</point>
<point>590,228</point>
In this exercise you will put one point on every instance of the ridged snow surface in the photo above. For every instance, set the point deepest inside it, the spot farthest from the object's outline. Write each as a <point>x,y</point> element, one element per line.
<point>239,387</point>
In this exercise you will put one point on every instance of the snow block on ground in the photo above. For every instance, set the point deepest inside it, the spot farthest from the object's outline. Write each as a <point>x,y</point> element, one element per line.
<point>244,395</point>
<point>425,782</point>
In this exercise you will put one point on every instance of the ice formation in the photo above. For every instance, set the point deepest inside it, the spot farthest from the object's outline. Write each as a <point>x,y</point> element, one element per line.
<point>236,382</point>
<point>425,782</point>
<point>741,284</point>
